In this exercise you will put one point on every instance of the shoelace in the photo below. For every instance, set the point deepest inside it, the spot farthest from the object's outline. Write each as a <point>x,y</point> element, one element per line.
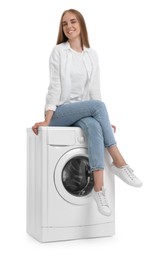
<point>129,172</point>
<point>102,198</point>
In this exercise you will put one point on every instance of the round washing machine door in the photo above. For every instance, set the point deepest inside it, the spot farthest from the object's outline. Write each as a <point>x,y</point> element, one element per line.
<point>73,178</point>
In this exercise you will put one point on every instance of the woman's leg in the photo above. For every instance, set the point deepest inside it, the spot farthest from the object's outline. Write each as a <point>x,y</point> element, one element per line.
<point>98,180</point>
<point>117,157</point>
<point>94,135</point>
<point>68,114</point>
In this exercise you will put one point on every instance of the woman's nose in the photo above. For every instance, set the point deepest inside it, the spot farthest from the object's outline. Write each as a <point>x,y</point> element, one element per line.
<point>69,25</point>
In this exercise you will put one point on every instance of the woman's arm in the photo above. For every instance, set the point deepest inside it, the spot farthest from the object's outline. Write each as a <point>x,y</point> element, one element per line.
<point>54,90</point>
<point>48,117</point>
<point>95,92</point>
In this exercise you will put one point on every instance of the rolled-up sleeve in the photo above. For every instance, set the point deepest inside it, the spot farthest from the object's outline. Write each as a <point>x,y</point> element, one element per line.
<point>54,89</point>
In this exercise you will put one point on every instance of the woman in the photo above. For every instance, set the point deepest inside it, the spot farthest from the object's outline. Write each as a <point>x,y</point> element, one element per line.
<point>74,99</point>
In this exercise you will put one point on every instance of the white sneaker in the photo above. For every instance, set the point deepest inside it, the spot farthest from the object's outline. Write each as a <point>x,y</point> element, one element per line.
<point>102,202</point>
<point>126,174</point>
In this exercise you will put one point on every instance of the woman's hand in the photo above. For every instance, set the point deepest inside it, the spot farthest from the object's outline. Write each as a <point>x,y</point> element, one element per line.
<point>114,127</point>
<point>48,116</point>
<point>35,127</point>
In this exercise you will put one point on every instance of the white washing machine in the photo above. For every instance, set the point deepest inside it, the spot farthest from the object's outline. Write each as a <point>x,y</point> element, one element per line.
<point>59,184</point>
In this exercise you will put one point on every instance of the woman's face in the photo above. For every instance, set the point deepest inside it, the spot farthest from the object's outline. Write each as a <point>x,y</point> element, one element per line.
<point>71,27</point>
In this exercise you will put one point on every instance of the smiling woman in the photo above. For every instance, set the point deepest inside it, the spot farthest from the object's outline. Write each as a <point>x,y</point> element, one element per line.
<point>74,99</point>
<point>71,29</point>
<point>72,26</point>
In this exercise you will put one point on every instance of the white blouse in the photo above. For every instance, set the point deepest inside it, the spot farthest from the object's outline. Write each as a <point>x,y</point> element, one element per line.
<point>63,86</point>
<point>78,75</point>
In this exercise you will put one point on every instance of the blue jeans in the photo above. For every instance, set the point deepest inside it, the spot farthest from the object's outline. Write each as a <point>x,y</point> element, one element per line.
<point>93,118</point>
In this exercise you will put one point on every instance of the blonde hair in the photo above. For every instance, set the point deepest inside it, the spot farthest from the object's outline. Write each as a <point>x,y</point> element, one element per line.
<point>84,34</point>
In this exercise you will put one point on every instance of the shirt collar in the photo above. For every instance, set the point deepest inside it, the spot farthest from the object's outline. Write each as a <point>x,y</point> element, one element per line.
<point>67,46</point>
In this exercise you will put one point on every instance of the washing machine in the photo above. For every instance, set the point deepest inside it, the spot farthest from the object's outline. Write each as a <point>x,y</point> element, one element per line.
<point>60,205</point>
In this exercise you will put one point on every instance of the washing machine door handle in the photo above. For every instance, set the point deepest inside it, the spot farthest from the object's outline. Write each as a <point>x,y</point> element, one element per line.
<point>82,192</point>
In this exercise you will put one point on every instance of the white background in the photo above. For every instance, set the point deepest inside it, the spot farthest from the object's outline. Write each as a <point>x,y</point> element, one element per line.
<point>130,38</point>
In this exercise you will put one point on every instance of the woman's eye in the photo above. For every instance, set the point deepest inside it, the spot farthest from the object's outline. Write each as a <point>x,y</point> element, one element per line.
<point>65,24</point>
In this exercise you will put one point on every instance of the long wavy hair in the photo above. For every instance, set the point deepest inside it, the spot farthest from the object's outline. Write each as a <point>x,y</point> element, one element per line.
<point>84,34</point>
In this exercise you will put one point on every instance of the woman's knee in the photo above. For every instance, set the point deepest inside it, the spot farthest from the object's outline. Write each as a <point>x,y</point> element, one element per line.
<point>98,104</point>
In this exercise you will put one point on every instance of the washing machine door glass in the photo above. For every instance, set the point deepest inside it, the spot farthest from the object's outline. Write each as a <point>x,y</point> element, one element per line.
<point>77,177</point>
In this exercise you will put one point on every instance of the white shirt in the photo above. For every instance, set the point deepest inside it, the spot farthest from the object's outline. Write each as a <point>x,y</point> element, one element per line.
<point>60,87</point>
<point>78,75</point>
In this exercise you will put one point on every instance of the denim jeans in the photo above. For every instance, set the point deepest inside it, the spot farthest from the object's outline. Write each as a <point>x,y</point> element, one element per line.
<point>92,117</point>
